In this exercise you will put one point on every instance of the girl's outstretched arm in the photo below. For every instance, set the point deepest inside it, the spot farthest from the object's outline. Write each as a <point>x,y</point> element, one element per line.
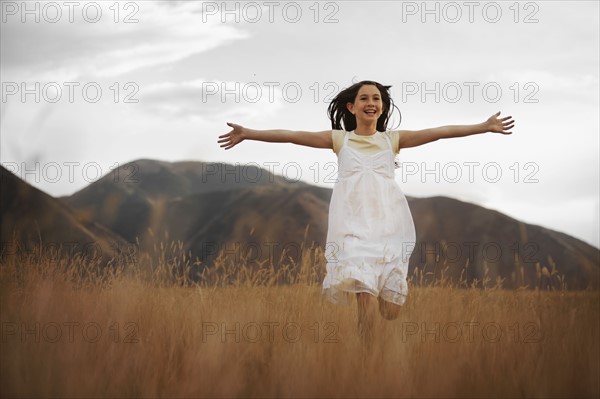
<point>310,139</point>
<point>414,138</point>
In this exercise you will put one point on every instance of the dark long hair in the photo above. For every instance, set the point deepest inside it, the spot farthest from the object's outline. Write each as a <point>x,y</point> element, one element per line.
<point>342,119</point>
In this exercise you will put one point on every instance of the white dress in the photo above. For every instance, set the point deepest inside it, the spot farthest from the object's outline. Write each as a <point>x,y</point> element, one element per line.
<point>371,233</point>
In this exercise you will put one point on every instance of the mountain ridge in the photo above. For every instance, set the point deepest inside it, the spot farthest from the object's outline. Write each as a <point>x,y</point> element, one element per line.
<point>33,221</point>
<point>199,205</point>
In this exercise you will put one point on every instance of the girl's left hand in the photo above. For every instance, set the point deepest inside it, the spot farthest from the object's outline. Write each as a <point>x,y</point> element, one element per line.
<point>234,137</point>
<point>501,125</point>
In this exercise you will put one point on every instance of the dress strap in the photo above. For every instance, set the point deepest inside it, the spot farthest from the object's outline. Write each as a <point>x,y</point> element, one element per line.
<point>385,134</point>
<point>346,136</point>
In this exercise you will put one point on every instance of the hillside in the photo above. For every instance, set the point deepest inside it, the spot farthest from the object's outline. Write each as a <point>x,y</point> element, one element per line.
<point>209,210</point>
<point>30,217</point>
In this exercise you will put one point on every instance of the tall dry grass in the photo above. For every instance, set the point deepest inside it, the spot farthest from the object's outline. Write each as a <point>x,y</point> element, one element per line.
<point>72,328</point>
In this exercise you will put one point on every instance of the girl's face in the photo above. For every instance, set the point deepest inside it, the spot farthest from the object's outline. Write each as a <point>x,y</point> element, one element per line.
<point>367,105</point>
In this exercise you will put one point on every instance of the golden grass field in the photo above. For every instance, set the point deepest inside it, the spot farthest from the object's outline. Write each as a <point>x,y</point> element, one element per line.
<point>137,332</point>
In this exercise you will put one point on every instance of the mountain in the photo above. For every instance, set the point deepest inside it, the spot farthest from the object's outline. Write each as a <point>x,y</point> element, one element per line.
<point>248,211</point>
<point>466,234</point>
<point>30,218</point>
<point>132,198</point>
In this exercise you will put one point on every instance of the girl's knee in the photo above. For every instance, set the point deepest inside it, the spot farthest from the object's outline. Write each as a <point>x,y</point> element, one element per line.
<point>388,310</point>
<point>364,298</point>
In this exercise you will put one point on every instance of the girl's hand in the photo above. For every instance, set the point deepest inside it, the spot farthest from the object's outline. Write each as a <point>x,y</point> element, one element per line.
<point>493,124</point>
<point>232,138</point>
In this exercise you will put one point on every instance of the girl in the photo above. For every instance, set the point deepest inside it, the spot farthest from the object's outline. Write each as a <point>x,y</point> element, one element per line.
<point>371,232</point>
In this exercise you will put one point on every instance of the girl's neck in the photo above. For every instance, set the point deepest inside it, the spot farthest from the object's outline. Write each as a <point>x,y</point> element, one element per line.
<point>366,130</point>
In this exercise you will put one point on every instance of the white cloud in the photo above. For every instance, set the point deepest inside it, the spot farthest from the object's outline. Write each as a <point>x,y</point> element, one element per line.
<point>65,51</point>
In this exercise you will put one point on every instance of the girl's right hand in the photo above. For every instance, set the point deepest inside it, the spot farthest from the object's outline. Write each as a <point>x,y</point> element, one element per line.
<point>232,138</point>
<point>502,125</point>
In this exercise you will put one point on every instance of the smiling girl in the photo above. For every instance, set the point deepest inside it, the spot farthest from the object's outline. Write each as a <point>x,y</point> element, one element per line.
<point>371,232</point>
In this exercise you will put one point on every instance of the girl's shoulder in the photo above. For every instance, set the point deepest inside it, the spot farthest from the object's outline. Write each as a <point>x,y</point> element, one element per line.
<point>337,136</point>
<point>394,136</point>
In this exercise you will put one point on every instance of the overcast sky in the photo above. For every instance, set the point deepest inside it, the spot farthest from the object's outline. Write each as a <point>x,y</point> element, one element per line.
<point>158,80</point>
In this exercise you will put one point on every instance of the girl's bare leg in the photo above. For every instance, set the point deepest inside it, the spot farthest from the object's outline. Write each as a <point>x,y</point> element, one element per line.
<point>366,317</point>
<point>388,310</point>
